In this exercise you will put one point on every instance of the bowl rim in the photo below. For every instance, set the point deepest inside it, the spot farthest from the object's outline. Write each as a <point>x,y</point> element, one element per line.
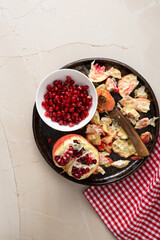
<point>66,128</point>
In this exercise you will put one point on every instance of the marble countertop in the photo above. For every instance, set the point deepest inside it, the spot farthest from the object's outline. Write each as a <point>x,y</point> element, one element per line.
<point>37,37</point>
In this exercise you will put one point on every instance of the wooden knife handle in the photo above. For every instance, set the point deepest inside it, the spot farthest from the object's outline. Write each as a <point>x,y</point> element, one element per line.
<point>131,132</point>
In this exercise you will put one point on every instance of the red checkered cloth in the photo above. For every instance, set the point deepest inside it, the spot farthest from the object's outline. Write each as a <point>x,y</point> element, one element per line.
<point>130,208</point>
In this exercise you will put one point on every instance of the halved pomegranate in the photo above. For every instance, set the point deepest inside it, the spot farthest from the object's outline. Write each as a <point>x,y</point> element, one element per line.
<point>76,156</point>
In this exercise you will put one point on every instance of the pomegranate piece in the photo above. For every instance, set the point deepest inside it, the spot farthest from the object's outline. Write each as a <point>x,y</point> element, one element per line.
<point>50,140</point>
<point>104,160</point>
<point>76,156</point>
<point>146,137</point>
<point>120,163</point>
<point>127,84</point>
<point>66,102</point>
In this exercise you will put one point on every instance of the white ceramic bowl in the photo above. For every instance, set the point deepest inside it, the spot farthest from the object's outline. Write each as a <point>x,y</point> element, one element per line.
<point>79,79</point>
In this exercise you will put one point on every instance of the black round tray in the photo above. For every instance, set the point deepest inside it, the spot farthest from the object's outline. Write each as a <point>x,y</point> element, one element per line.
<point>43,132</point>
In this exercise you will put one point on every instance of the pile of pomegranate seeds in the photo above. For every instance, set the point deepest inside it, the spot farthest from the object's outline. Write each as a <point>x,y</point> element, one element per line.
<point>66,102</point>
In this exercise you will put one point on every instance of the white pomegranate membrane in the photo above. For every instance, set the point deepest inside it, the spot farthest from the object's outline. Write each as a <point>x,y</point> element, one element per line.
<point>66,102</point>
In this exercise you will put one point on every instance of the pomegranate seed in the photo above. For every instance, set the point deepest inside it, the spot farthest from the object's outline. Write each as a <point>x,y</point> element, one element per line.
<point>83,117</point>
<point>63,112</point>
<point>73,99</point>
<point>68,115</point>
<point>68,78</point>
<point>68,100</point>
<point>50,140</point>
<point>86,113</point>
<point>85,87</point>
<point>53,118</point>
<point>59,86</point>
<point>49,87</point>
<point>57,97</point>
<point>58,113</point>
<point>50,102</point>
<point>46,96</point>
<point>50,109</point>
<point>44,104</point>
<point>57,108</point>
<point>71,124</point>
<point>46,114</point>
<point>76,114</point>
<point>70,152</point>
<point>60,122</point>
<point>71,109</point>
<point>50,95</point>
<point>89,98</point>
<point>66,109</point>
<point>55,82</point>
<point>82,108</point>
<point>76,141</point>
<point>79,104</point>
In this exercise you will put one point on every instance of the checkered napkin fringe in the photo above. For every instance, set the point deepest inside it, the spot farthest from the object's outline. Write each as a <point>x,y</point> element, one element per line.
<point>131,208</point>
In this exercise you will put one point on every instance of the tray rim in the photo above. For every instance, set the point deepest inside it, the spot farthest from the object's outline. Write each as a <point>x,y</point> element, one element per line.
<point>140,162</point>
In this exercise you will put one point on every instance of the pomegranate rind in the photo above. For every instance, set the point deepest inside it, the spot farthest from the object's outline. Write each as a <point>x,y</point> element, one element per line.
<point>127,84</point>
<point>136,157</point>
<point>97,73</point>
<point>104,160</point>
<point>93,128</point>
<point>146,136</point>
<point>102,86</point>
<point>144,122</point>
<point>99,170</point>
<point>94,138</point>
<point>120,163</point>
<point>113,72</point>
<point>140,92</point>
<point>131,114</point>
<point>124,148</point>
<point>109,103</point>
<point>111,85</point>
<point>122,134</point>
<point>63,144</point>
<point>140,104</point>
<point>96,118</point>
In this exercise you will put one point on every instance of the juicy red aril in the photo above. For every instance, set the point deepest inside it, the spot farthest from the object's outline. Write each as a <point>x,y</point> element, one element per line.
<point>50,140</point>
<point>49,87</point>
<point>50,109</point>
<point>61,160</point>
<point>71,124</point>
<point>44,104</point>
<point>87,160</point>
<point>46,114</point>
<point>66,102</point>
<point>76,141</point>
<point>79,172</point>
<point>71,109</point>
<point>60,122</point>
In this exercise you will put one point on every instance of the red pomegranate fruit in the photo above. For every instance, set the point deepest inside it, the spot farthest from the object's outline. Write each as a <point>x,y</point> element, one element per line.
<point>76,156</point>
